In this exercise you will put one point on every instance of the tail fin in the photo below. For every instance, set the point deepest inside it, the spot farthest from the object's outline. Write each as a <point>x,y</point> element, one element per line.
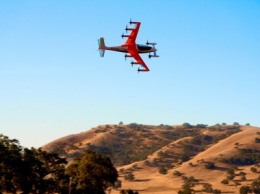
<point>101,46</point>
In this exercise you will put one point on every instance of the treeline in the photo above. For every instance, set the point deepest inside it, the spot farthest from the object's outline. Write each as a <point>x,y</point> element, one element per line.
<point>244,157</point>
<point>36,171</point>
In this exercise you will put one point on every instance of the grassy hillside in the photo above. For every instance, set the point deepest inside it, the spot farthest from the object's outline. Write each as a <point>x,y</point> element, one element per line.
<point>161,159</point>
<point>126,144</point>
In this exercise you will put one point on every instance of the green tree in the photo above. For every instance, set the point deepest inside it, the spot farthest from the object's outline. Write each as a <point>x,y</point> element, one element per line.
<point>225,182</point>
<point>216,191</point>
<point>187,125</point>
<point>91,173</point>
<point>210,165</point>
<point>29,170</point>
<point>186,189</point>
<point>177,173</point>
<point>118,184</point>
<point>129,191</point>
<point>256,186</point>
<point>207,188</point>
<point>245,190</point>
<point>43,172</point>
<point>253,169</point>
<point>162,170</point>
<point>130,177</point>
<point>10,164</point>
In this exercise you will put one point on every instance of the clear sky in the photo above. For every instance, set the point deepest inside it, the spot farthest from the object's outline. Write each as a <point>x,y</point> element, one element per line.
<point>54,83</point>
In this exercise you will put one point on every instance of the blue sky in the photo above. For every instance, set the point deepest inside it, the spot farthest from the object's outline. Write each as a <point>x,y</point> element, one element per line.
<point>54,83</point>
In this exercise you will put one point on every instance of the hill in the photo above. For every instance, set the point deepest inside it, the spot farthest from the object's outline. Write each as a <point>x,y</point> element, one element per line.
<point>163,158</point>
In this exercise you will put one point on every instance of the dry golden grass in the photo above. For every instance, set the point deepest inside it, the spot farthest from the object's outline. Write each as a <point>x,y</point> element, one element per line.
<point>149,180</point>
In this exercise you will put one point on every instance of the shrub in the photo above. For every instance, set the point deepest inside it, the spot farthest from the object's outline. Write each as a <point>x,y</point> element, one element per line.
<point>216,191</point>
<point>257,140</point>
<point>244,190</point>
<point>129,177</point>
<point>210,165</point>
<point>177,173</point>
<point>207,187</point>
<point>162,170</point>
<point>253,169</point>
<point>187,125</point>
<point>225,182</point>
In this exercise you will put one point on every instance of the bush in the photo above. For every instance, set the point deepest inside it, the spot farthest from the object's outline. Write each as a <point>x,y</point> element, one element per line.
<point>187,125</point>
<point>253,169</point>
<point>257,140</point>
<point>207,187</point>
<point>177,173</point>
<point>216,191</point>
<point>210,165</point>
<point>162,170</point>
<point>244,190</point>
<point>130,177</point>
<point>225,182</point>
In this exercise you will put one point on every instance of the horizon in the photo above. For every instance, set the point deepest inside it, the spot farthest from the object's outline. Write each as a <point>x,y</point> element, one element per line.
<point>54,83</point>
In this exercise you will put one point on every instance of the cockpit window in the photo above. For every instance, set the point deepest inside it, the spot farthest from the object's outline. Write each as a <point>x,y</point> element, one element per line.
<point>143,47</point>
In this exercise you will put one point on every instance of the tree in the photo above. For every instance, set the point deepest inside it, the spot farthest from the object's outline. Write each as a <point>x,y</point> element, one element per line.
<point>117,184</point>
<point>216,191</point>
<point>10,163</point>
<point>253,169</point>
<point>210,165</point>
<point>162,170</point>
<point>186,189</point>
<point>91,173</point>
<point>129,191</point>
<point>130,177</point>
<point>177,173</point>
<point>187,125</point>
<point>207,187</point>
<point>225,182</point>
<point>43,172</point>
<point>256,186</point>
<point>30,170</point>
<point>244,190</point>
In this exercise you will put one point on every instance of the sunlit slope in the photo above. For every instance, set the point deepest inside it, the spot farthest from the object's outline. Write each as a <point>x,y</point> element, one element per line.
<point>145,149</point>
<point>125,144</point>
<point>154,182</point>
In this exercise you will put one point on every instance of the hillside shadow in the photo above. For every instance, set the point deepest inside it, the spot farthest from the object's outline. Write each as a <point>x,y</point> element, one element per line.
<point>220,168</point>
<point>142,180</point>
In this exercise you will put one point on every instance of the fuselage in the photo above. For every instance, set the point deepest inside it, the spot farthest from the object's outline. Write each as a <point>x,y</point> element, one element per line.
<point>141,48</point>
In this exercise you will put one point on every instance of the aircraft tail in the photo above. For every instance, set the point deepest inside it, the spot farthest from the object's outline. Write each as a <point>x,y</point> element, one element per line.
<point>101,46</point>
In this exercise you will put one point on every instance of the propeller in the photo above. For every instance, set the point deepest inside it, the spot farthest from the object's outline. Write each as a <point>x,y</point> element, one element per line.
<point>122,35</point>
<point>147,43</point>
<point>126,29</point>
<point>130,21</point>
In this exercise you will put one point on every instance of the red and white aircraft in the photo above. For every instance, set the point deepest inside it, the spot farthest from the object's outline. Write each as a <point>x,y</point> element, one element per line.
<point>131,47</point>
